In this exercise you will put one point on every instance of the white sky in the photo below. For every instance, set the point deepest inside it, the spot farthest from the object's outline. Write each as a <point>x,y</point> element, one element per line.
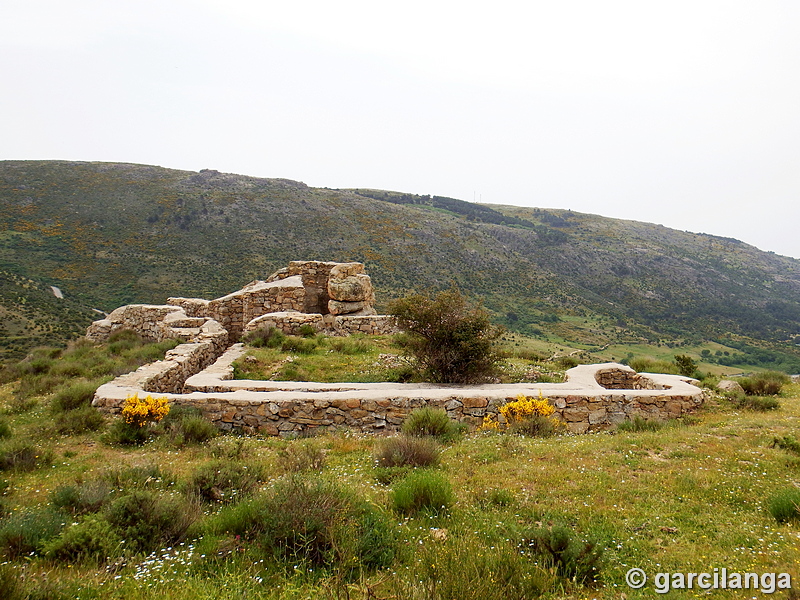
<point>684,113</point>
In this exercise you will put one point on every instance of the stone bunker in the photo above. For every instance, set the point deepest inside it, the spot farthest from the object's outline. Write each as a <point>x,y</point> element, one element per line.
<point>338,299</point>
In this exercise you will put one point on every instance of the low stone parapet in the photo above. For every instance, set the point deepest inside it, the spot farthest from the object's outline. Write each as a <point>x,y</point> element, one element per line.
<point>170,374</point>
<point>344,325</point>
<point>333,325</point>
<point>289,408</point>
<point>287,322</point>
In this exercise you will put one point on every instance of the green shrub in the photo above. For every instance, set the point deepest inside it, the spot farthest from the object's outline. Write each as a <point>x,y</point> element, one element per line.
<point>37,385</point>
<point>350,346</point>
<point>4,489</point>
<point>80,420</point>
<point>423,490</point>
<point>463,566</point>
<point>22,455</point>
<point>686,365</point>
<point>224,482</point>
<point>232,448</point>
<point>315,523</point>
<point>406,451</point>
<point>291,372</point>
<point>27,532</point>
<point>307,330</point>
<point>529,355</point>
<point>92,540</point>
<point>756,403</point>
<point>299,345</point>
<point>784,506</point>
<point>186,425</point>
<point>123,340</point>
<point>198,430</point>
<point>450,342</point>
<point>146,353</point>
<point>77,395</point>
<point>432,422</point>
<point>767,383</point>
<point>17,404</point>
<point>81,498</point>
<point>573,559</point>
<point>787,442</point>
<point>642,364</point>
<point>73,367</point>
<point>302,455</point>
<point>5,429</point>
<point>387,475</point>
<point>318,522</point>
<point>145,520</point>
<point>126,434</point>
<point>536,426</point>
<point>265,337</point>
<point>566,362</point>
<point>638,424</point>
<point>139,477</point>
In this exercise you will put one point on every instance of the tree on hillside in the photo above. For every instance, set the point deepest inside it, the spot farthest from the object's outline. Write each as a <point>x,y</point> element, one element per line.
<point>686,365</point>
<point>450,341</point>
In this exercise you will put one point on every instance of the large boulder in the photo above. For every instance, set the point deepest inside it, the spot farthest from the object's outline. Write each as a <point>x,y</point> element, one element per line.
<point>350,290</point>
<point>353,288</point>
<point>345,308</point>
<point>728,385</point>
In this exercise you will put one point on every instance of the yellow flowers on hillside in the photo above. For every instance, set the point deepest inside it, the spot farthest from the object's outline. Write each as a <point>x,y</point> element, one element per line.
<point>141,411</point>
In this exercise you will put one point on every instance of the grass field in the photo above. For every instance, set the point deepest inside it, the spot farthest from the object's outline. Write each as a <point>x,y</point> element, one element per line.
<point>686,498</point>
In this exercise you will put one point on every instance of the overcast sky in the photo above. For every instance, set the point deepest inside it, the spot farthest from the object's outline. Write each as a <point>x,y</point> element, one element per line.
<point>684,113</point>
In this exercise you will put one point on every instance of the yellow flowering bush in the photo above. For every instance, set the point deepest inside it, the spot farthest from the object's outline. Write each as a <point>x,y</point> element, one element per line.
<point>141,411</point>
<point>489,424</point>
<point>526,415</point>
<point>525,407</point>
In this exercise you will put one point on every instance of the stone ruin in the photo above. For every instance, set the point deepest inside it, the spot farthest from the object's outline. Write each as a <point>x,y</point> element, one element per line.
<point>333,298</point>
<point>337,299</point>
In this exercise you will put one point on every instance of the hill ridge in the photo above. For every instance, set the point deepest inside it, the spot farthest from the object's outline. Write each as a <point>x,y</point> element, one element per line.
<point>109,234</point>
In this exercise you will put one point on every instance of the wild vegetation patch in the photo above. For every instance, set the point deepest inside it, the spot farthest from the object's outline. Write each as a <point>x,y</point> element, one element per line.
<point>432,422</point>
<point>406,451</point>
<point>450,341</point>
<point>498,516</point>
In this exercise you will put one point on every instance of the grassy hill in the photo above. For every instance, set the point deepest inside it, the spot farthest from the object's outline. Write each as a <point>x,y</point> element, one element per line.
<point>109,234</point>
<point>32,315</point>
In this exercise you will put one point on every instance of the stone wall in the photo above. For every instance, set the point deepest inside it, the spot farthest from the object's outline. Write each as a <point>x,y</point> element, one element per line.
<point>314,275</point>
<point>344,325</point>
<point>235,310</point>
<point>624,379</point>
<point>152,322</point>
<point>180,363</point>
<point>333,325</point>
<point>288,322</point>
<point>308,287</point>
<point>289,408</point>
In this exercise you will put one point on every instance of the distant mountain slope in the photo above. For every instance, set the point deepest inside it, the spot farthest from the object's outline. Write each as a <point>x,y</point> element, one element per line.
<point>32,315</point>
<point>109,234</point>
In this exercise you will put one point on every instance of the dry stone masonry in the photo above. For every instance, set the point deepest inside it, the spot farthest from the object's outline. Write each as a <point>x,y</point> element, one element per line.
<point>338,299</point>
<point>209,326</point>
<point>290,408</point>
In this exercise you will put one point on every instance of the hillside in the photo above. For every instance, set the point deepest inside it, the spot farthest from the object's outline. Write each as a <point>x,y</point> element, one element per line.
<point>109,234</point>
